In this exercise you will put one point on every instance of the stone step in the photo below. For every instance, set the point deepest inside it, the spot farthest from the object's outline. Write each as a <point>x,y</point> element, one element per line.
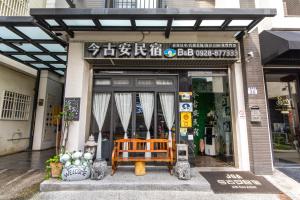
<point>157,178</point>
<point>150,195</point>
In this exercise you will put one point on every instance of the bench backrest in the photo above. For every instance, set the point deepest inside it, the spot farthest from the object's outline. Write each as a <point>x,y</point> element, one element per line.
<point>140,146</point>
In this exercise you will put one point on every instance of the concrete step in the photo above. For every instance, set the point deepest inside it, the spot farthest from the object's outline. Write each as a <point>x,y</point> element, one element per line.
<point>149,195</point>
<point>157,178</point>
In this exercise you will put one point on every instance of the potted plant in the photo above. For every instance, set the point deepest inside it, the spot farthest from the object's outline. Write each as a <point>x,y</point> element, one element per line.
<point>53,167</point>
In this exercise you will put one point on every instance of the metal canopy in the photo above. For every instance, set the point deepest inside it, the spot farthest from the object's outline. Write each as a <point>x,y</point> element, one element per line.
<point>29,43</point>
<point>160,19</point>
<point>280,47</point>
<point>33,41</point>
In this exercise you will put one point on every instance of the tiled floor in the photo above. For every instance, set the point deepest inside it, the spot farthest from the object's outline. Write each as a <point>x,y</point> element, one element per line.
<point>26,160</point>
<point>209,161</point>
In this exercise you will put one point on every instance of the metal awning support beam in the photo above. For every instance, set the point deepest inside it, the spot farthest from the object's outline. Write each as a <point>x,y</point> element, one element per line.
<point>168,29</point>
<point>71,3</point>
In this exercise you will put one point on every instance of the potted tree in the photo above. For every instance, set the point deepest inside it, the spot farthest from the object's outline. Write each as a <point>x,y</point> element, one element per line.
<point>68,117</point>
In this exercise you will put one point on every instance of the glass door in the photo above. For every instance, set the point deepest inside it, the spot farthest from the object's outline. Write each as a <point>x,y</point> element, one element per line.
<point>283,100</point>
<point>139,107</point>
<point>212,121</point>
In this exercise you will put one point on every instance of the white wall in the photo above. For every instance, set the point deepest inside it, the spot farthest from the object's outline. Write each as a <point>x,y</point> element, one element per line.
<point>17,82</point>
<point>56,4</point>
<point>50,91</point>
<point>227,4</point>
<point>280,21</point>
<point>37,3</point>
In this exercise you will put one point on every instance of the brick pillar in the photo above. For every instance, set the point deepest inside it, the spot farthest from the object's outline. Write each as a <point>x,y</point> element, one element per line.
<point>258,133</point>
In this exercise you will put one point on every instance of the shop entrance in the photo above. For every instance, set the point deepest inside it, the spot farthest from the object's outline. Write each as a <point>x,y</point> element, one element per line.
<point>213,139</point>
<point>283,100</point>
<point>134,106</point>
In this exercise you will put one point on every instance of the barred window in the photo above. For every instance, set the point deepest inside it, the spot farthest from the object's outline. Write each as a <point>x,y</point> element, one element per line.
<point>291,7</point>
<point>136,4</point>
<point>14,7</point>
<point>15,106</point>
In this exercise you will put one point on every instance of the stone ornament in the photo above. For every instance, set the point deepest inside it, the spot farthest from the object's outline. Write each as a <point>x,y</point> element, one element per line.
<point>98,169</point>
<point>183,170</point>
<point>75,173</point>
<point>76,166</point>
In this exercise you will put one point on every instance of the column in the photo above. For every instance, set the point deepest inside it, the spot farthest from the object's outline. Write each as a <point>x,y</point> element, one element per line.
<point>258,132</point>
<point>241,145</point>
<point>78,85</point>
<point>40,112</point>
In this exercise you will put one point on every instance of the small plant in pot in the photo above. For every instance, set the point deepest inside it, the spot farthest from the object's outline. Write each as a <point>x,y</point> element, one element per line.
<point>53,167</point>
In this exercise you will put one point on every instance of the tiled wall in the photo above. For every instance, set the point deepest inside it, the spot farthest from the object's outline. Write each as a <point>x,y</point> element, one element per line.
<point>258,133</point>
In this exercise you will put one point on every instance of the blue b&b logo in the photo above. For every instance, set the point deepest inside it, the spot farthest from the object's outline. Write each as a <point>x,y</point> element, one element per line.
<point>170,53</point>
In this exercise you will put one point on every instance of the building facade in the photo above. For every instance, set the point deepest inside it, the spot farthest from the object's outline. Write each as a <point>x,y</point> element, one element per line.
<point>230,126</point>
<point>279,40</point>
<point>194,72</point>
<point>19,87</point>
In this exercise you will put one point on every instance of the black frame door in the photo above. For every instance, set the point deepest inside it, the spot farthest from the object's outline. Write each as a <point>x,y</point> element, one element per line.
<point>107,83</point>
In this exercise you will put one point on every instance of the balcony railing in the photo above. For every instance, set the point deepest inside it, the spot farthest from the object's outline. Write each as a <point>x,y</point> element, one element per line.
<point>133,3</point>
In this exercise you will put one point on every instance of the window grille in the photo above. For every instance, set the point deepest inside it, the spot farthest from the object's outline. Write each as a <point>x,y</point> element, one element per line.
<point>14,7</point>
<point>15,106</point>
<point>136,4</point>
<point>291,7</point>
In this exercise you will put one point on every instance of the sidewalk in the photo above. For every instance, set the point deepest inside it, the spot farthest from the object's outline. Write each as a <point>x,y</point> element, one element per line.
<point>156,185</point>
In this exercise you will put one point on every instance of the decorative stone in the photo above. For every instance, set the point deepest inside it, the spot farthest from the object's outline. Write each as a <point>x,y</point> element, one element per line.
<point>75,173</point>
<point>98,169</point>
<point>183,170</point>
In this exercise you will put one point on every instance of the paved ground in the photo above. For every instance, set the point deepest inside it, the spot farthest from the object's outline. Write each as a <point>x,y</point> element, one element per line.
<point>21,174</point>
<point>293,172</point>
<point>157,184</point>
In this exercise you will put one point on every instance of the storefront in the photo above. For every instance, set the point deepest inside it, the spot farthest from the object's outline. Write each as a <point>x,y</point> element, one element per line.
<point>282,83</point>
<point>163,73</point>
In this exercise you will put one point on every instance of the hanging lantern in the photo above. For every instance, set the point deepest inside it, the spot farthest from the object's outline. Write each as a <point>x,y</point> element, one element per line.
<point>91,146</point>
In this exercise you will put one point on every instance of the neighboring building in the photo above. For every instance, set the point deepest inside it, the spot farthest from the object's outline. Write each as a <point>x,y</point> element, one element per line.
<point>280,39</point>
<point>18,88</point>
<point>184,56</point>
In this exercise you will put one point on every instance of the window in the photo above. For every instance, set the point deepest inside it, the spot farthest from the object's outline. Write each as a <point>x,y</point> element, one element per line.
<point>136,4</point>
<point>15,106</point>
<point>291,7</point>
<point>14,7</point>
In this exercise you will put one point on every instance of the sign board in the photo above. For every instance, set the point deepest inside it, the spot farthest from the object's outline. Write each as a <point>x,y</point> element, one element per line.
<point>185,119</point>
<point>185,107</point>
<point>126,50</point>
<point>74,106</point>
<point>255,114</point>
<point>238,182</point>
<point>252,90</point>
<point>185,96</point>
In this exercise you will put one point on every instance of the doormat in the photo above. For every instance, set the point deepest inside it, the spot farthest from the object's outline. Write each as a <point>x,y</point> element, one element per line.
<point>239,182</point>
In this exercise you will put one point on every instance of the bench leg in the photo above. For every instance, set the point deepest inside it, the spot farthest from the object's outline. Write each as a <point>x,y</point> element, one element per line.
<point>170,166</point>
<point>114,168</point>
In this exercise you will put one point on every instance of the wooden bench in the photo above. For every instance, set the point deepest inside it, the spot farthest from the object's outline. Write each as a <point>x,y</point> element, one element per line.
<point>137,149</point>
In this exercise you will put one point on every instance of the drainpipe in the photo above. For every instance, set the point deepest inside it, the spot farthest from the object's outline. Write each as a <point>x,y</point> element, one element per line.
<point>35,100</point>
